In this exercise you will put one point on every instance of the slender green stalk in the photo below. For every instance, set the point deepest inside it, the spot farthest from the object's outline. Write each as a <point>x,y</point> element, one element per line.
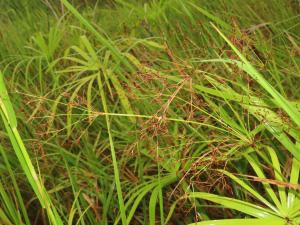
<point>247,67</point>
<point>16,188</point>
<point>10,122</point>
<point>113,153</point>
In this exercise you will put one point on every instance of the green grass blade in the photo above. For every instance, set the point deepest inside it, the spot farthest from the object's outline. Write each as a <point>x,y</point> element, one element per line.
<point>5,104</point>
<point>249,189</point>
<point>247,67</point>
<point>113,153</point>
<point>152,206</point>
<point>9,205</point>
<point>9,119</point>
<point>231,203</point>
<point>278,176</point>
<point>16,188</point>
<point>4,219</point>
<point>121,93</point>
<point>260,173</point>
<point>292,199</point>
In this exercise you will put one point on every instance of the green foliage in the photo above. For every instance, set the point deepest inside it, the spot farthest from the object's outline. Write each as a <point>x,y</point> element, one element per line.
<point>149,112</point>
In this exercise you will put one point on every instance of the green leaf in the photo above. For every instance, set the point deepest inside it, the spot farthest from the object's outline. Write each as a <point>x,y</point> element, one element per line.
<point>293,197</point>
<point>276,127</point>
<point>112,150</point>
<point>152,205</point>
<point>231,203</point>
<point>278,176</point>
<point>121,93</point>
<point>5,104</point>
<point>259,172</point>
<point>247,67</point>
<point>4,219</point>
<point>8,117</point>
<point>249,189</point>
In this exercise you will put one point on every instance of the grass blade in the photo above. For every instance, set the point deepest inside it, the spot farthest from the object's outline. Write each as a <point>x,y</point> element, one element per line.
<point>113,153</point>
<point>9,119</point>
<point>247,67</point>
<point>235,204</point>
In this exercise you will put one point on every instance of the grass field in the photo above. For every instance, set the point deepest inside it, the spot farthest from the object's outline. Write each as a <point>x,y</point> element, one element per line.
<point>168,112</point>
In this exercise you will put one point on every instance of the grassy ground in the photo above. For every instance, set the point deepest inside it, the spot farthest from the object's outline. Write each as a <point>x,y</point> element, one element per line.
<point>149,112</point>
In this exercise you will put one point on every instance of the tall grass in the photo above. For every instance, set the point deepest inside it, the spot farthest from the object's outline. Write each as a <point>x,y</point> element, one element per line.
<point>149,112</point>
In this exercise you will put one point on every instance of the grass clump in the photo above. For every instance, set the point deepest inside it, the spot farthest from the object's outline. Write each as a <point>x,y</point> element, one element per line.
<point>149,112</point>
